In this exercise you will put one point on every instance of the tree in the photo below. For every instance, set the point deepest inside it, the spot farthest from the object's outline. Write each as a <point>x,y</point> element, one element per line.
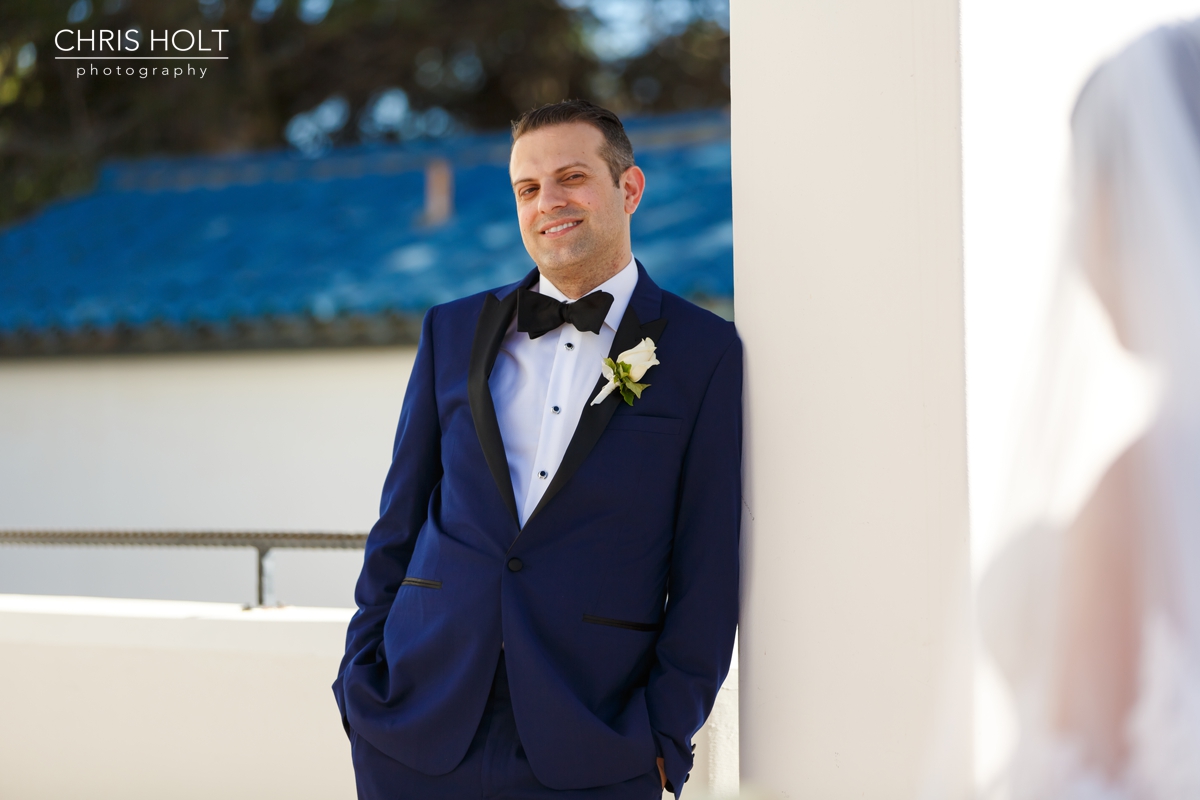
<point>681,72</point>
<point>319,73</point>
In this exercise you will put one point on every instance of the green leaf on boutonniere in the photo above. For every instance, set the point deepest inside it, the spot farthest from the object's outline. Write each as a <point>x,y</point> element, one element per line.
<point>623,376</point>
<point>629,388</point>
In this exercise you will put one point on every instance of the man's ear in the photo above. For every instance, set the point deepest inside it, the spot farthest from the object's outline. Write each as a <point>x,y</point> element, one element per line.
<point>633,184</point>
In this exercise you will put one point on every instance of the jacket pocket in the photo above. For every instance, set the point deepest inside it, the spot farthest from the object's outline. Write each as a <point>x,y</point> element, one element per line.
<point>644,424</point>
<point>424,584</point>
<point>621,623</point>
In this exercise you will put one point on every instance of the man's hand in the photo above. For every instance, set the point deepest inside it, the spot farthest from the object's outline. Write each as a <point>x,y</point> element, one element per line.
<point>662,773</point>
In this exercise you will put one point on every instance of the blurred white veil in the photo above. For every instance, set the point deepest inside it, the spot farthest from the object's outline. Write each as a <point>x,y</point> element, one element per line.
<point>1092,612</point>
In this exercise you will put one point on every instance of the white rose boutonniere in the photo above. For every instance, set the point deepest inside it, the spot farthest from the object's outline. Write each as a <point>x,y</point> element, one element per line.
<point>626,371</point>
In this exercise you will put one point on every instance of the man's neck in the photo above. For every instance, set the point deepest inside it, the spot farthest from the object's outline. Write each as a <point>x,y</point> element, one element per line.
<point>579,281</point>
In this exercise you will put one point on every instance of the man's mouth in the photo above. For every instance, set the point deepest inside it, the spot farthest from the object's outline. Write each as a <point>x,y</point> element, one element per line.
<point>562,227</point>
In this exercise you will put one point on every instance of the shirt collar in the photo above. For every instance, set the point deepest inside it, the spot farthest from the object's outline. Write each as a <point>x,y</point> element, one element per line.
<point>620,286</point>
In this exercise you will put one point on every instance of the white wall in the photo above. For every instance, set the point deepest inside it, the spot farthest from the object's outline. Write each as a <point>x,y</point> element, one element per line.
<point>278,440</point>
<point>1024,62</point>
<point>214,574</point>
<point>241,441</point>
<point>848,295</point>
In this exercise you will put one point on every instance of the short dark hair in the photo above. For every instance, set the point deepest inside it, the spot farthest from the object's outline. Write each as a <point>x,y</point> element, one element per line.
<point>616,151</point>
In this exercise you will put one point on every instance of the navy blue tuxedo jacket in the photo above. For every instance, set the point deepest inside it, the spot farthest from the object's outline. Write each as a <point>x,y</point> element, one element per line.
<point>616,602</point>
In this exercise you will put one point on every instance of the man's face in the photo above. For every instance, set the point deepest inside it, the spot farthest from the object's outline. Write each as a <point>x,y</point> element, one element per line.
<point>570,212</point>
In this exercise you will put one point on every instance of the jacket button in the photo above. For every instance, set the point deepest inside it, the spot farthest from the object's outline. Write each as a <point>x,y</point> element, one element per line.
<point>514,565</point>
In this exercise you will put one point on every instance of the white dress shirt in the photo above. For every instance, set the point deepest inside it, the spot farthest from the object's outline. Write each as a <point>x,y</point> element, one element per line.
<point>540,387</point>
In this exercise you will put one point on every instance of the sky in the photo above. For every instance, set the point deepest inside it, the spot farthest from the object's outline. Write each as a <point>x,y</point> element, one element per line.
<point>627,28</point>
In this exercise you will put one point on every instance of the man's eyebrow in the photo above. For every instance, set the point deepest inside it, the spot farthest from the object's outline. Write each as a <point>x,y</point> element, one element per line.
<point>573,165</point>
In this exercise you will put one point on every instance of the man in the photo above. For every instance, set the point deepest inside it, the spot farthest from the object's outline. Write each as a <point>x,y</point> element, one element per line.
<point>548,602</point>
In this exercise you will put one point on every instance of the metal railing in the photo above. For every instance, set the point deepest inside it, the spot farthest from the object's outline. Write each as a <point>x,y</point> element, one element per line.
<point>263,543</point>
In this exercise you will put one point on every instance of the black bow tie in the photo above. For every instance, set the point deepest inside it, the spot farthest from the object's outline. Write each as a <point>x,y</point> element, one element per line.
<point>538,314</point>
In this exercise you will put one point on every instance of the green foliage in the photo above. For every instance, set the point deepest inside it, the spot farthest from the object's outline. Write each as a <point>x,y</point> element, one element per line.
<point>629,389</point>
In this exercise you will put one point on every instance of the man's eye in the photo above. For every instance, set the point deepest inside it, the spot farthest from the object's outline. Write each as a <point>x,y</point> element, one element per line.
<point>527,190</point>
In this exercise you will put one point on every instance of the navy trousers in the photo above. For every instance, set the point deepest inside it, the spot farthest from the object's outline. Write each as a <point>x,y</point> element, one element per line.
<point>495,767</point>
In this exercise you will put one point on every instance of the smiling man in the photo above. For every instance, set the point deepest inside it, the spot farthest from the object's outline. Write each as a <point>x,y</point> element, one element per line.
<point>548,601</point>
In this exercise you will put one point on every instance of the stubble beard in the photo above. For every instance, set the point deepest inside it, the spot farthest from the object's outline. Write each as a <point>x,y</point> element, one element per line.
<point>585,262</point>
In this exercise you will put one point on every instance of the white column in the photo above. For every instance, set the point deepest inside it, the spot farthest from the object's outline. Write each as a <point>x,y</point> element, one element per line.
<point>848,296</point>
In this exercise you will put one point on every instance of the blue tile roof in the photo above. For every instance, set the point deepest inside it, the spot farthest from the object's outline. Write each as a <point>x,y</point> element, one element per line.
<point>227,245</point>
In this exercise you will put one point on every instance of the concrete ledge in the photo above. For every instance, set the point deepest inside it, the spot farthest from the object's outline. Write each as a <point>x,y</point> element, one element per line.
<point>132,699</point>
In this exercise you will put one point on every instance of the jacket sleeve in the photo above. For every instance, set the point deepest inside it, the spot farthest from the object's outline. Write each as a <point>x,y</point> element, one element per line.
<point>696,643</point>
<point>415,472</point>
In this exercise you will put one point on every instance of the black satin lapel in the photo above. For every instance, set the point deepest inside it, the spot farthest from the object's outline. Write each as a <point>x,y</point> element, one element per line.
<point>653,330</point>
<point>489,333</point>
<point>595,419</point>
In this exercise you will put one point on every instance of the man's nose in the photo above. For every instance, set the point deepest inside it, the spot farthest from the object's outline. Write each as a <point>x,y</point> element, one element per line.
<point>552,197</point>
